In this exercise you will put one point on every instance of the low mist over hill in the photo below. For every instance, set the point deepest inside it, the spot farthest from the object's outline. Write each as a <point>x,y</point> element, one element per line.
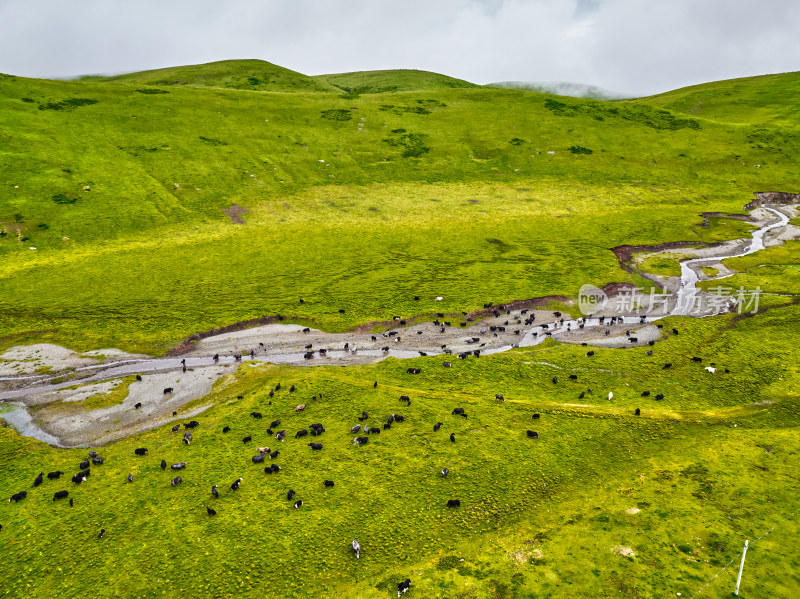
<point>565,88</point>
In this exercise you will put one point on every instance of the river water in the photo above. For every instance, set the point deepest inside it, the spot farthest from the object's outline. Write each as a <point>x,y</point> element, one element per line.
<point>18,416</point>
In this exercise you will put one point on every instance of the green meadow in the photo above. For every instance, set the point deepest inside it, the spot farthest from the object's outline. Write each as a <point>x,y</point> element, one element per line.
<point>556,516</point>
<point>139,209</point>
<point>358,201</point>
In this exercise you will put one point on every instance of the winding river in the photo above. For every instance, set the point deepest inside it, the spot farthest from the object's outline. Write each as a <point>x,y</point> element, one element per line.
<point>17,415</point>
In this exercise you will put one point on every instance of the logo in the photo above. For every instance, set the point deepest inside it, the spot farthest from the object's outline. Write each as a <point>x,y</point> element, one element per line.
<point>591,299</point>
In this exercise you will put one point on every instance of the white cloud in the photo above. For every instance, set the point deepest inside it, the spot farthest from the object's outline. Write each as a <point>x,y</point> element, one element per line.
<point>640,46</point>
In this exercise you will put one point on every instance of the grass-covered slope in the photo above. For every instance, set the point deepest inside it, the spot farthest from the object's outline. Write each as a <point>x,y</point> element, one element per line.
<point>359,204</point>
<point>604,503</point>
<point>256,75</point>
<point>762,99</point>
<point>373,82</point>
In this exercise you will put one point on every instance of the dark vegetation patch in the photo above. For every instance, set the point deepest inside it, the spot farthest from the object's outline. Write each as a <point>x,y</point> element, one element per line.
<point>448,562</point>
<point>516,141</point>
<point>29,100</point>
<point>213,142</point>
<point>62,198</point>
<point>337,114</point>
<point>152,91</point>
<point>400,110</point>
<point>655,118</point>
<point>355,92</point>
<point>413,144</point>
<point>68,104</point>
<point>135,150</point>
<point>431,103</point>
<point>580,150</point>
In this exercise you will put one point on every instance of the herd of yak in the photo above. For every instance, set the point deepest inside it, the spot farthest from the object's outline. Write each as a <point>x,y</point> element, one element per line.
<point>315,430</point>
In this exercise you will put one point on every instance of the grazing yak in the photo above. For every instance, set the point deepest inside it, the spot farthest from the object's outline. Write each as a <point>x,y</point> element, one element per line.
<point>176,481</point>
<point>328,483</point>
<point>56,474</point>
<point>356,548</point>
<point>18,496</point>
<point>453,503</point>
<point>532,434</point>
<point>211,511</point>
<point>140,451</point>
<point>179,466</point>
<point>360,440</point>
<point>403,587</point>
<point>298,503</point>
<point>38,480</point>
<point>60,495</point>
<point>235,485</point>
<point>445,472</point>
<point>316,445</point>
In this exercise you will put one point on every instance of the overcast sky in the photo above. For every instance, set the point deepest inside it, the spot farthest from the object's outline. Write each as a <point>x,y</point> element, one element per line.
<point>631,46</point>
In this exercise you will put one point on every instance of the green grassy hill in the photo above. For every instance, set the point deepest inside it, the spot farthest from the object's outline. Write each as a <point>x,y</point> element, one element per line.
<point>764,99</point>
<point>254,75</point>
<point>102,177</point>
<point>375,82</point>
<point>137,211</point>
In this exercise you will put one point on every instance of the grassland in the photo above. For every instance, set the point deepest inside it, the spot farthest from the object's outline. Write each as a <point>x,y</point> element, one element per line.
<point>437,192</point>
<point>375,82</point>
<point>253,75</point>
<point>359,200</point>
<point>539,518</point>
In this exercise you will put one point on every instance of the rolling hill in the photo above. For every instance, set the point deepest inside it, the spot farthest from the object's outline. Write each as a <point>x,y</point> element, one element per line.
<point>397,80</point>
<point>767,99</point>
<point>140,209</point>
<point>254,75</point>
<point>117,175</point>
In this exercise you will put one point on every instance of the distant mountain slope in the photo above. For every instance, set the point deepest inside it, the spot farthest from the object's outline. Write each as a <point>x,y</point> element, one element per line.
<point>391,81</point>
<point>758,99</point>
<point>564,88</point>
<point>256,75</point>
